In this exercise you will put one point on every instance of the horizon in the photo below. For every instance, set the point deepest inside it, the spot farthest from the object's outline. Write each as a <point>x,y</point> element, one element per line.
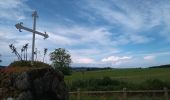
<point>103,67</point>
<point>114,33</point>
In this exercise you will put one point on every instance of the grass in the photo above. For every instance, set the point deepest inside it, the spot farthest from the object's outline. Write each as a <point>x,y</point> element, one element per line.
<point>134,75</point>
<point>115,97</point>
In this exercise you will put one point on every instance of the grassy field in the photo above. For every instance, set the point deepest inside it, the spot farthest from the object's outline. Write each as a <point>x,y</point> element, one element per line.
<point>135,75</point>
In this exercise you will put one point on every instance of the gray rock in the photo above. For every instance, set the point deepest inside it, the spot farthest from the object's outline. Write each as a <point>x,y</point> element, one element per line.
<point>9,98</point>
<point>22,81</point>
<point>37,84</point>
<point>25,96</point>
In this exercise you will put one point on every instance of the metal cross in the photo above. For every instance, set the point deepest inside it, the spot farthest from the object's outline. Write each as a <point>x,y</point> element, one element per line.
<point>20,26</point>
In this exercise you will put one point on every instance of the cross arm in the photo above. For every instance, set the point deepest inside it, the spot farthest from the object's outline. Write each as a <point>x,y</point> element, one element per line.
<point>20,26</point>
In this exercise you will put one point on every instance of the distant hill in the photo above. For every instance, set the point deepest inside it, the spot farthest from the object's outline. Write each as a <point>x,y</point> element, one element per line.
<point>105,68</point>
<point>161,66</point>
<point>89,68</point>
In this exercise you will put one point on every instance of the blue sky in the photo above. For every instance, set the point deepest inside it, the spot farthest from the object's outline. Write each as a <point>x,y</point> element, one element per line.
<point>116,33</point>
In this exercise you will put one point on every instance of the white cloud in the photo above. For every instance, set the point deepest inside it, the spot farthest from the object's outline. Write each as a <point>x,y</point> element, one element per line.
<point>85,52</point>
<point>141,17</point>
<point>120,16</point>
<point>82,60</point>
<point>116,59</point>
<point>130,19</point>
<point>81,35</point>
<point>139,38</point>
<point>149,57</point>
<point>60,40</point>
<point>13,9</point>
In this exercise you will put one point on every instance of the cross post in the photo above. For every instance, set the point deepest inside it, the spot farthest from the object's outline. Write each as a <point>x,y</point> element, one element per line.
<point>34,15</point>
<point>20,26</point>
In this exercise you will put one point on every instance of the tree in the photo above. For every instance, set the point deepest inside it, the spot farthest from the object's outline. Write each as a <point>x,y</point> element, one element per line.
<point>61,60</point>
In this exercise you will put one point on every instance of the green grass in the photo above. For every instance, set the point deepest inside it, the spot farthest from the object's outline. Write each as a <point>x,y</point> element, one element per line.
<point>134,75</point>
<point>115,97</point>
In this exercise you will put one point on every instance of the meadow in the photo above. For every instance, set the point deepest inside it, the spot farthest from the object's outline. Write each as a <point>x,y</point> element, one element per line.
<point>134,75</point>
<point>131,75</point>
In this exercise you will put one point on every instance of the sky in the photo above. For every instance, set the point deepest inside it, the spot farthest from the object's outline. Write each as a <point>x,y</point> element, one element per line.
<point>97,33</point>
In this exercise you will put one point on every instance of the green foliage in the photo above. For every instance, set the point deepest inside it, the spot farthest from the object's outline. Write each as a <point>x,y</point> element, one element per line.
<point>61,60</point>
<point>28,64</point>
<point>64,70</point>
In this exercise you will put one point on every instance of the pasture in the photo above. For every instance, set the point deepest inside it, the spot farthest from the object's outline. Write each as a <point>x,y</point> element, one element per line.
<point>131,75</point>
<point>134,75</point>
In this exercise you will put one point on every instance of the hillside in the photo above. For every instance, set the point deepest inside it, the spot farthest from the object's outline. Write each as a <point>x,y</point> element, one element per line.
<point>161,66</point>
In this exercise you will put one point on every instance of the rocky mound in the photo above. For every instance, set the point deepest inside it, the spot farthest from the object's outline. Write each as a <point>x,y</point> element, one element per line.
<point>32,84</point>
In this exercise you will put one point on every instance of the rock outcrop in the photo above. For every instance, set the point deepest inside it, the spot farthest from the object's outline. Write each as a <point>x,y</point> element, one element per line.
<point>34,84</point>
